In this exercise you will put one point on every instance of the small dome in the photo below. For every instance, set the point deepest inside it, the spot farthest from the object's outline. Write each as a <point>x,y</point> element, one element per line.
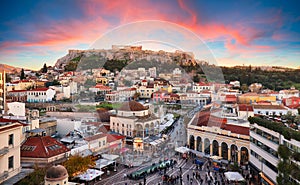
<point>56,173</point>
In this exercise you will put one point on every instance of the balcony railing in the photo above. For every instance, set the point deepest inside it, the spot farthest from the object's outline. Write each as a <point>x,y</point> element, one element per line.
<point>4,175</point>
<point>4,151</point>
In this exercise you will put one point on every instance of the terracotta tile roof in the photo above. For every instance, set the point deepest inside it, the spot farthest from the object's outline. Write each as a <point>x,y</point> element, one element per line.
<point>250,94</point>
<point>202,84</point>
<point>129,89</point>
<point>269,107</point>
<point>40,89</point>
<point>245,107</point>
<point>102,87</point>
<point>104,128</point>
<point>94,137</point>
<point>292,98</point>
<point>132,106</point>
<point>294,106</point>
<point>206,119</point>
<point>236,129</point>
<point>114,137</point>
<point>230,98</point>
<point>42,147</point>
<point>15,91</point>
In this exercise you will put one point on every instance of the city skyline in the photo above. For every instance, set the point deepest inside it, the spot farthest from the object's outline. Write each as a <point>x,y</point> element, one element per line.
<point>237,33</point>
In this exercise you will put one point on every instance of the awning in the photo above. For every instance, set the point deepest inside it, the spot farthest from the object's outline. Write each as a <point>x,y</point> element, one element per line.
<point>153,143</point>
<point>216,157</point>
<point>67,140</point>
<point>197,153</point>
<point>182,149</point>
<point>234,176</point>
<point>101,163</point>
<point>90,174</point>
<point>110,157</point>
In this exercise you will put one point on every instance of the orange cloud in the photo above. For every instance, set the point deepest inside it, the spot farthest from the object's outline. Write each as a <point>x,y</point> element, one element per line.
<point>103,15</point>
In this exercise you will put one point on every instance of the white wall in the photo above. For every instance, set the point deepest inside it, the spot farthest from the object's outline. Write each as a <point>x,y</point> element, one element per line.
<point>64,126</point>
<point>16,108</point>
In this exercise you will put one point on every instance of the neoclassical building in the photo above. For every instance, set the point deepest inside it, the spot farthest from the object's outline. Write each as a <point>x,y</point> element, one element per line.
<point>134,120</point>
<point>224,137</point>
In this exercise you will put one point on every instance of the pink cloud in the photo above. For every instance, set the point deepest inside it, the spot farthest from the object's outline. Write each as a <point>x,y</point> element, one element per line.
<point>97,21</point>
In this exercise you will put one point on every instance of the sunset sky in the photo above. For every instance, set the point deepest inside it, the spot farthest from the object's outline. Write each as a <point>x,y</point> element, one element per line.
<point>238,33</point>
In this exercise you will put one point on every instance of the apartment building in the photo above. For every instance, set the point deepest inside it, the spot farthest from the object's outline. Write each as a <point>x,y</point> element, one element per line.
<point>264,143</point>
<point>10,133</point>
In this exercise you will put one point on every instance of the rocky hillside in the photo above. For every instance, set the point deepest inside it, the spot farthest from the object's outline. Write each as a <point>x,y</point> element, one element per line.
<point>124,53</point>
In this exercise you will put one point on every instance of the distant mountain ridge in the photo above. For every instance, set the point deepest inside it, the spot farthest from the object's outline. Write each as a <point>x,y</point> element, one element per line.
<point>9,69</point>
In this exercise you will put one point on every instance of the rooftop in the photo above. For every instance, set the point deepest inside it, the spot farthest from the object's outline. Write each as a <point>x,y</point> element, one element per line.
<point>205,118</point>
<point>245,107</point>
<point>279,107</point>
<point>132,106</point>
<point>42,147</point>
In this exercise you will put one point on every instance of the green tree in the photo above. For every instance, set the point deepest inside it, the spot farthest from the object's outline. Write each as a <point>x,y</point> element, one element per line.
<point>77,165</point>
<point>89,83</point>
<point>22,76</point>
<point>34,178</point>
<point>284,166</point>
<point>45,68</point>
<point>244,87</point>
<point>297,119</point>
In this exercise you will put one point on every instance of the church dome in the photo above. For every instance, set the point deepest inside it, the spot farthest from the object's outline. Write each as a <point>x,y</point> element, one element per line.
<point>55,173</point>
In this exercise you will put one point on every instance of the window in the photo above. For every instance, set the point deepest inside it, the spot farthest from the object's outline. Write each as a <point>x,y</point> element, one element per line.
<point>11,162</point>
<point>100,144</point>
<point>11,139</point>
<point>103,143</point>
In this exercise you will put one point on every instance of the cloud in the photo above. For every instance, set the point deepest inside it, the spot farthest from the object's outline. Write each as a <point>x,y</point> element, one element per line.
<point>239,37</point>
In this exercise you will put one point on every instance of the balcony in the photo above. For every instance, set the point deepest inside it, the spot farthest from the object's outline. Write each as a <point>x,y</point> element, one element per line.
<point>4,175</point>
<point>4,151</point>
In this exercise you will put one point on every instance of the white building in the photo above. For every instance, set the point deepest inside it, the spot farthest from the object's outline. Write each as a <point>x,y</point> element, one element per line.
<point>198,87</point>
<point>64,126</point>
<point>40,95</point>
<point>269,110</point>
<point>16,108</point>
<point>288,93</point>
